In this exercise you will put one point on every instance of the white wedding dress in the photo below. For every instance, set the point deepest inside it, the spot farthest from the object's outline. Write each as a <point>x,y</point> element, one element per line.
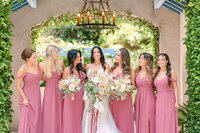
<point>105,121</point>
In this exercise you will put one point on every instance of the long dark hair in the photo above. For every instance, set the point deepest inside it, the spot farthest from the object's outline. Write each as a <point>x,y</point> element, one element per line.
<point>149,66</point>
<point>125,62</point>
<point>168,68</point>
<point>102,58</point>
<point>71,56</point>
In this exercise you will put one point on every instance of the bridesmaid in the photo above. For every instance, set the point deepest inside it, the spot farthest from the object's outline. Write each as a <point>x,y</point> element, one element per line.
<point>165,81</point>
<point>122,110</point>
<point>30,99</point>
<point>51,69</point>
<point>73,109</point>
<point>145,102</point>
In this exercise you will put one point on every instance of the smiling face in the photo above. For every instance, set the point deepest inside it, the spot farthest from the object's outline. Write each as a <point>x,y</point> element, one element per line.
<point>55,55</point>
<point>78,59</point>
<point>96,54</point>
<point>162,62</point>
<point>32,59</point>
<point>142,62</point>
<point>118,58</point>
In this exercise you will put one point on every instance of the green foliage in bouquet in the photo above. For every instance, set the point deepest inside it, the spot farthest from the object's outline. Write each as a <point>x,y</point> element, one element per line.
<point>91,88</point>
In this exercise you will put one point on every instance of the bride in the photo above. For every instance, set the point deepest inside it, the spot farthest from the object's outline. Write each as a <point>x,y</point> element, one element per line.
<point>98,121</point>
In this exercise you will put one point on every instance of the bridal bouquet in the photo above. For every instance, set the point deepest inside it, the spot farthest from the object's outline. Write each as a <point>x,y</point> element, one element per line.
<point>121,87</point>
<point>97,88</point>
<point>69,86</point>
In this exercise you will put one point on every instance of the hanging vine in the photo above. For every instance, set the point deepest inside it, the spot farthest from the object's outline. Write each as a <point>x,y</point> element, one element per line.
<point>5,65</point>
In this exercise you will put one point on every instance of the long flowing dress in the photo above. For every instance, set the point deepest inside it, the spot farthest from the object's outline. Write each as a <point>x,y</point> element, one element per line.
<point>166,114</point>
<point>30,120</point>
<point>52,105</point>
<point>122,112</point>
<point>73,110</point>
<point>104,120</point>
<point>145,106</point>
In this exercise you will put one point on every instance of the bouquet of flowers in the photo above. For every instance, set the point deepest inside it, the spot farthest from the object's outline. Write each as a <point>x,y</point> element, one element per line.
<point>121,87</point>
<point>97,88</point>
<point>69,86</point>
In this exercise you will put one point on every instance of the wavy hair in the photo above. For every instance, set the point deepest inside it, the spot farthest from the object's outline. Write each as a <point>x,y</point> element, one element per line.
<point>168,68</point>
<point>149,66</point>
<point>49,61</point>
<point>125,62</point>
<point>102,58</point>
<point>71,56</point>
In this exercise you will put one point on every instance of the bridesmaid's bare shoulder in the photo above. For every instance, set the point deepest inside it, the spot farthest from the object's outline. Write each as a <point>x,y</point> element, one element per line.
<point>67,69</point>
<point>132,70</point>
<point>66,72</point>
<point>21,70</point>
<point>173,74</point>
<point>154,71</point>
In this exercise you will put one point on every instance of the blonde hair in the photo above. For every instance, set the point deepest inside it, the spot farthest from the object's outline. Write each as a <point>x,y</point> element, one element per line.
<point>49,61</point>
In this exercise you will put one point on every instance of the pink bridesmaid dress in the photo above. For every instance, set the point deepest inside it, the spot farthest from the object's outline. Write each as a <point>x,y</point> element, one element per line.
<point>30,120</point>
<point>166,114</point>
<point>122,112</point>
<point>73,110</point>
<point>145,106</point>
<point>52,105</point>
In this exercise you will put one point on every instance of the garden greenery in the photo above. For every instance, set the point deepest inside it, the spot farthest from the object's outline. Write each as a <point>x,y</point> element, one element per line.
<point>192,42</point>
<point>135,34</point>
<point>5,65</point>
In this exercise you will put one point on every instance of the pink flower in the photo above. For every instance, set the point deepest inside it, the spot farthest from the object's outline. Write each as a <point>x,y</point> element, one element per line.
<point>101,91</point>
<point>71,87</point>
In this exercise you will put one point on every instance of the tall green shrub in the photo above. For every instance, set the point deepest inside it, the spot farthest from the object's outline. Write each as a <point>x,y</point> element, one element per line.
<point>5,65</point>
<point>192,42</point>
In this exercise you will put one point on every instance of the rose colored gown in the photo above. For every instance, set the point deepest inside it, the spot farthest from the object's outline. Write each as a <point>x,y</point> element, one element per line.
<point>122,112</point>
<point>52,105</point>
<point>30,120</point>
<point>73,110</point>
<point>145,106</point>
<point>166,114</point>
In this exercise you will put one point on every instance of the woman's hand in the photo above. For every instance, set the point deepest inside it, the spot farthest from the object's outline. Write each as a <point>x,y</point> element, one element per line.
<point>176,106</point>
<point>71,96</point>
<point>25,102</point>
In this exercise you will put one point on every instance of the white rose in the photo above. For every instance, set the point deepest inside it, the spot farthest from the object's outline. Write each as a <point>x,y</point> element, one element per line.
<point>112,87</point>
<point>123,86</point>
<point>101,91</point>
<point>71,87</point>
<point>67,81</point>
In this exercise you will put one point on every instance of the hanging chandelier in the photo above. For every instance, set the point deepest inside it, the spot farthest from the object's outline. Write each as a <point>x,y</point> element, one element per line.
<point>96,14</point>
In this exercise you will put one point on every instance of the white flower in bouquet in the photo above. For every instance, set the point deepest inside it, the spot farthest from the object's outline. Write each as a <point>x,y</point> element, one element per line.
<point>98,86</point>
<point>72,87</point>
<point>67,82</point>
<point>69,86</point>
<point>121,87</point>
